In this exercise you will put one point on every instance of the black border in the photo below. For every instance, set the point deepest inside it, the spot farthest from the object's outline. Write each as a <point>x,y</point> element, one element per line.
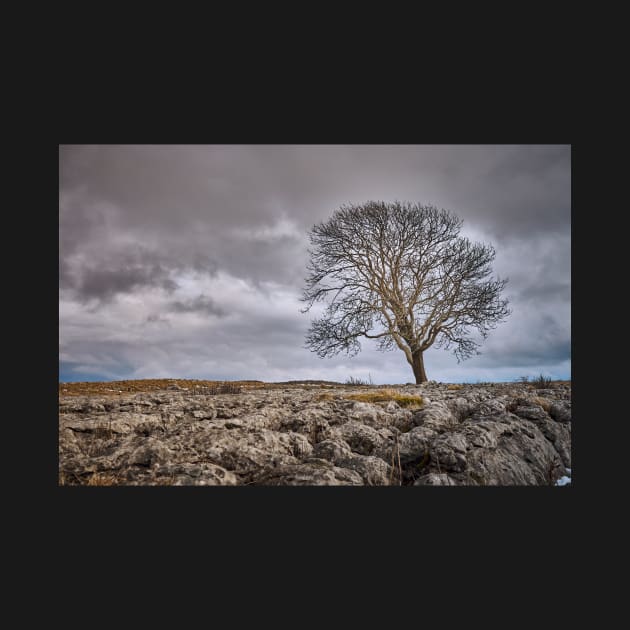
<point>390,519</point>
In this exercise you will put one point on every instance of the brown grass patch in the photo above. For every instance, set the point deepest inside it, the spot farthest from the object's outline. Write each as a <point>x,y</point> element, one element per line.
<point>543,402</point>
<point>165,480</point>
<point>102,479</point>
<point>385,395</point>
<point>96,479</point>
<point>454,386</point>
<point>116,388</point>
<point>103,432</point>
<point>325,396</point>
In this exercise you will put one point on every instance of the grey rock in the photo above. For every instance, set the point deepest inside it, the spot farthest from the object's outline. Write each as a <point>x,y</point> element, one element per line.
<point>489,407</point>
<point>561,411</point>
<point>532,412</point>
<point>513,452</point>
<point>483,434</point>
<point>435,479</point>
<point>411,446</point>
<point>392,407</point>
<point>186,474</point>
<point>373,470</point>
<point>314,426</point>
<point>558,434</point>
<point>436,416</point>
<point>203,414</point>
<point>402,420</point>
<point>316,472</point>
<point>149,453</point>
<point>361,438</point>
<point>332,450</point>
<point>248,452</point>
<point>365,413</point>
<point>461,408</point>
<point>448,451</point>
<point>295,436</point>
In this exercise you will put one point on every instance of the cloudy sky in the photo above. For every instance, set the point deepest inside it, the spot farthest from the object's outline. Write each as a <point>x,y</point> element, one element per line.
<point>187,261</point>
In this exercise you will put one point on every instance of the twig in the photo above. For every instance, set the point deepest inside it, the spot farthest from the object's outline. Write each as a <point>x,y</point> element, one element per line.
<point>391,474</point>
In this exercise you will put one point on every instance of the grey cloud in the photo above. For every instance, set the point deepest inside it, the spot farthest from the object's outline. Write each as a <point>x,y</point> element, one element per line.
<point>99,266</point>
<point>103,284</point>
<point>540,292</point>
<point>223,185</point>
<point>102,279</point>
<point>156,318</point>
<point>200,304</point>
<point>528,354</point>
<point>537,335</point>
<point>192,197</point>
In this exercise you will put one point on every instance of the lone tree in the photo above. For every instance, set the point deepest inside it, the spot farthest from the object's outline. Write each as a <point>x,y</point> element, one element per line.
<point>399,273</point>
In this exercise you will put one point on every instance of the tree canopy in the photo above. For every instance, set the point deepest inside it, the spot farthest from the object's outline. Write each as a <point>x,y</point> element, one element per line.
<point>400,273</point>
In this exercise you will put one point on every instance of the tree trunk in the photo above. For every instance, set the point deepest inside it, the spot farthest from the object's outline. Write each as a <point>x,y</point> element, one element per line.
<point>418,368</point>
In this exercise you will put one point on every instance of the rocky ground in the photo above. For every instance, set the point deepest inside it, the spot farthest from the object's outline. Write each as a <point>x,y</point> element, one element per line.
<point>200,433</point>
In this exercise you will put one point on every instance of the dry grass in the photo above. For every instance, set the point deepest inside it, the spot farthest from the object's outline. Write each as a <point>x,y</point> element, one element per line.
<point>96,479</point>
<point>542,382</point>
<point>165,480</point>
<point>358,381</point>
<point>454,386</point>
<point>543,402</point>
<point>325,396</point>
<point>103,432</point>
<point>385,395</point>
<point>102,479</point>
<point>115,388</point>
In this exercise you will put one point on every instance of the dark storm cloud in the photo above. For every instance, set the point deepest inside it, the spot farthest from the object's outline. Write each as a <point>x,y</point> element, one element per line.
<point>103,284</point>
<point>197,194</point>
<point>155,318</point>
<point>200,304</point>
<point>539,292</point>
<point>544,341</point>
<point>101,274</point>
<point>519,191</point>
<point>504,186</point>
<point>151,234</point>
<point>101,258</point>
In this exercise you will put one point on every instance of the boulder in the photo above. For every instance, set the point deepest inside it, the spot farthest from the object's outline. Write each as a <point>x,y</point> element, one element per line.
<point>373,470</point>
<point>362,439</point>
<point>435,479</point>
<point>315,472</point>
<point>561,411</point>
<point>436,416</point>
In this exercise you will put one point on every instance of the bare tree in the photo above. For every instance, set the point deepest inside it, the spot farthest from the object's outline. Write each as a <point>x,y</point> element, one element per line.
<point>399,273</point>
